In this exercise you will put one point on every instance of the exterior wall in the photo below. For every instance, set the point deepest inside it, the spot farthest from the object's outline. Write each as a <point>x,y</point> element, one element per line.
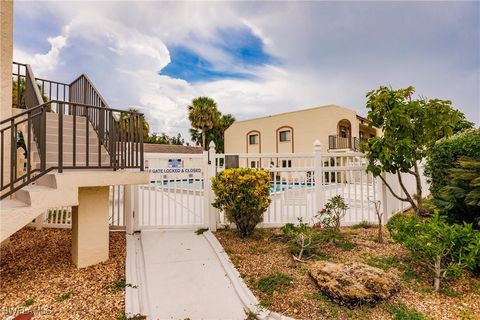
<point>6,56</point>
<point>306,125</point>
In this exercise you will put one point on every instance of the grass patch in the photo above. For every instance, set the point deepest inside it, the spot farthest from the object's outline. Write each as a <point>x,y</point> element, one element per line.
<point>400,311</point>
<point>364,225</point>
<point>201,231</point>
<point>274,282</point>
<point>118,286</point>
<point>327,307</point>
<point>64,296</point>
<point>28,302</point>
<point>346,245</point>
<point>322,256</point>
<point>450,293</point>
<point>384,263</point>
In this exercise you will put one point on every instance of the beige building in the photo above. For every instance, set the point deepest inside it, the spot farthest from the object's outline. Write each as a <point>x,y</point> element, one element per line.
<point>337,128</point>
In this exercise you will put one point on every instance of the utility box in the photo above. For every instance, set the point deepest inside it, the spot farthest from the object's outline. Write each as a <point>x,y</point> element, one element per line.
<point>231,161</point>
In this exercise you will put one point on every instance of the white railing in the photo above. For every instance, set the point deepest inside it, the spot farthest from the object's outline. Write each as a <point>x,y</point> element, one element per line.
<point>179,194</point>
<point>62,217</point>
<point>295,192</point>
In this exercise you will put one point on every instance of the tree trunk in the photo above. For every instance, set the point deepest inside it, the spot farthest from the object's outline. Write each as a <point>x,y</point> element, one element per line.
<point>380,234</point>
<point>438,273</point>
<point>419,187</point>
<point>204,138</point>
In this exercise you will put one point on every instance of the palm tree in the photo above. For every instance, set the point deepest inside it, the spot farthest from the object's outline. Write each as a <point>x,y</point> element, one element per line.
<point>203,115</point>
<point>126,120</point>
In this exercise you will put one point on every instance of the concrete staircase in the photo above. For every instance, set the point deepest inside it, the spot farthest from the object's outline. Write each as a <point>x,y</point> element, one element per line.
<point>52,146</point>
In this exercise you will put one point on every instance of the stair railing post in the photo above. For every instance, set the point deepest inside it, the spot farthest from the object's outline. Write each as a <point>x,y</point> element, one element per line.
<point>60,137</point>
<point>142,165</point>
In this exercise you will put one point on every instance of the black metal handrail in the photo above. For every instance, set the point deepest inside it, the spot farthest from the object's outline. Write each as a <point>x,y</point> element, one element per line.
<point>123,140</point>
<point>119,133</point>
<point>336,142</point>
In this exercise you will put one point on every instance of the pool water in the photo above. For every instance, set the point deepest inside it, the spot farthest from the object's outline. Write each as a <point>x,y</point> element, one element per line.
<point>198,184</point>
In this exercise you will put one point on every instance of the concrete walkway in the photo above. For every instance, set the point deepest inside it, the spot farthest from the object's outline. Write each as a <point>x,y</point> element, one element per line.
<point>183,277</point>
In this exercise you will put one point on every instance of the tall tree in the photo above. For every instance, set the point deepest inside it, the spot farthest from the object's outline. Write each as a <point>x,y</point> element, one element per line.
<point>215,134</point>
<point>409,128</point>
<point>203,115</point>
<point>126,121</point>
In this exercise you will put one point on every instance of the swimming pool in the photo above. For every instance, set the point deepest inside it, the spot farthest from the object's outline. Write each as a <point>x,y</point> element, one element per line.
<point>198,184</point>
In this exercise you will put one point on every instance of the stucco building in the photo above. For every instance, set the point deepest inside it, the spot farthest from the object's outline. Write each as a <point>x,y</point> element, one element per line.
<point>338,129</point>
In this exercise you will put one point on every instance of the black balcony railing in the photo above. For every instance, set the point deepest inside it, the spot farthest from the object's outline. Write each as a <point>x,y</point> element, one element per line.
<point>336,142</point>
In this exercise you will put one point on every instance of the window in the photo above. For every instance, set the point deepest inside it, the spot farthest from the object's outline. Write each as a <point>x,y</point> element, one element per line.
<point>285,136</point>
<point>343,132</point>
<point>253,139</point>
<point>254,164</point>
<point>362,135</point>
<point>286,163</point>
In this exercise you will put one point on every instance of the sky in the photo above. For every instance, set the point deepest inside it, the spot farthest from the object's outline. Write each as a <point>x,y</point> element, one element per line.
<point>253,58</point>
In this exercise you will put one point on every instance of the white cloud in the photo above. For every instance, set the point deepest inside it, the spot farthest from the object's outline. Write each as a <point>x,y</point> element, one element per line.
<point>329,54</point>
<point>44,63</point>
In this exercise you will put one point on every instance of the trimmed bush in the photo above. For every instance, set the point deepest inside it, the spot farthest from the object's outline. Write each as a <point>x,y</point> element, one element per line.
<point>244,195</point>
<point>444,249</point>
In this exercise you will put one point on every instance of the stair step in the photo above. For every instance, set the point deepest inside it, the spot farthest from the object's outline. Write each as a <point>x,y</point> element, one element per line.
<point>79,147</point>
<point>53,138</point>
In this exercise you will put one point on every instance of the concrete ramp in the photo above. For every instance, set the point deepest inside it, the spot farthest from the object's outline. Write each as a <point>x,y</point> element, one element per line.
<point>183,278</point>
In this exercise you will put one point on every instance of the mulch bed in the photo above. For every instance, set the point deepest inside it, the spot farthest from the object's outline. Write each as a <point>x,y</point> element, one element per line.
<point>260,256</point>
<point>37,271</point>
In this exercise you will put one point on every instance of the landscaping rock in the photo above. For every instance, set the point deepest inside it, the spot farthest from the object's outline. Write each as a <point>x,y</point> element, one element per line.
<point>353,284</point>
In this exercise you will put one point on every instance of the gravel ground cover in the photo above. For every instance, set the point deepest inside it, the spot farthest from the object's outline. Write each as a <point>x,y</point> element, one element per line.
<point>37,273</point>
<point>284,286</point>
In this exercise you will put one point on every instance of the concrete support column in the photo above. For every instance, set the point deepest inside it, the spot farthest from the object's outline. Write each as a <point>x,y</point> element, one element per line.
<point>6,55</point>
<point>90,231</point>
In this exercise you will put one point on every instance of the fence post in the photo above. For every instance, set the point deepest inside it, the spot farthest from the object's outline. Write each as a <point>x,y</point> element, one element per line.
<point>211,212</point>
<point>129,208</point>
<point>319,191</point>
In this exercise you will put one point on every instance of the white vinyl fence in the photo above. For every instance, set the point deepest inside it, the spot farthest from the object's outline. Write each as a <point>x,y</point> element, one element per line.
<point>61,217</point>
<point>179,193</point>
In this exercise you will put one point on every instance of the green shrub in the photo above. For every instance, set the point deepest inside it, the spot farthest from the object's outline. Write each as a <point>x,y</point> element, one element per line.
<point>444,249</point>
<point>446,152</point>
<point>243,194</point>
<point>335,209</point>
<point>274,282</point>
<point>460,198</point>
<point>301,239</point>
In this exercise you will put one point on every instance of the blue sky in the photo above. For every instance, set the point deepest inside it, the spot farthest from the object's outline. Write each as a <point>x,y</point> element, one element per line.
<point>244,48</point>
<point>254,58</point>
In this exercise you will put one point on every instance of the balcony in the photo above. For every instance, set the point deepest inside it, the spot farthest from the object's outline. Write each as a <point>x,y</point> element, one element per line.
<point>336,142</point>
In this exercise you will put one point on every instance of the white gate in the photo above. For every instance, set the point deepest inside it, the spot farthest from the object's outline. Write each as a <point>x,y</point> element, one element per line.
<point>175,196</point>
